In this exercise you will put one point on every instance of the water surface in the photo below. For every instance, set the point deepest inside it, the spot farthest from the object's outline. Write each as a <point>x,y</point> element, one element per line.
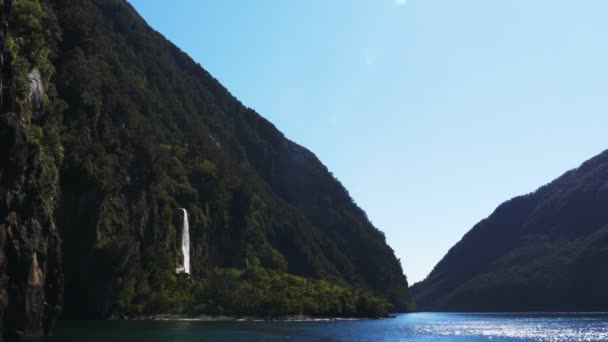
<point>554,327</point>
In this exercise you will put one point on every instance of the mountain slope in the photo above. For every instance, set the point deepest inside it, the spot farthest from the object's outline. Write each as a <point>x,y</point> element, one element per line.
<point>543,251</point>
<point>31,277</point>
<point>144,131</point>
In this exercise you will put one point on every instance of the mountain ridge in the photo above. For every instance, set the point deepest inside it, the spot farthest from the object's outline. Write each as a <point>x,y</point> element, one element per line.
<point>529,254</point>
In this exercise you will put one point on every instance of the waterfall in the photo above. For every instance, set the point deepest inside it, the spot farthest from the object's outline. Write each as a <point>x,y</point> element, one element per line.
<point>186,244</point>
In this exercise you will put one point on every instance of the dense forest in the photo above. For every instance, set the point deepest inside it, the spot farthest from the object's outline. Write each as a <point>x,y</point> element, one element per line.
<point>545,251</point>
<point>107,129</point>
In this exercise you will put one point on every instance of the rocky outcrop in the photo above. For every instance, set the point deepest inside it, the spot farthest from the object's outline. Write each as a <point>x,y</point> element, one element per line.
<point>31,284</point>
<point>36,95</point>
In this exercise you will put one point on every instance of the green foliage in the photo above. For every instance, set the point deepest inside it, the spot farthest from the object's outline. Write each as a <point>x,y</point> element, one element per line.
<point>32,35</point>
<point>252,292</point>
<point>205,168</point>
<point>146,131</point>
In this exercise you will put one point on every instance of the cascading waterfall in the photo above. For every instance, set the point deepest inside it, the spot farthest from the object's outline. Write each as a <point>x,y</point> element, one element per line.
<point>185,244</point>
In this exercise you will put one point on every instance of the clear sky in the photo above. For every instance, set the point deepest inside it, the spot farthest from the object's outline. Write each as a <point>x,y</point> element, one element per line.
<point>430,112</point>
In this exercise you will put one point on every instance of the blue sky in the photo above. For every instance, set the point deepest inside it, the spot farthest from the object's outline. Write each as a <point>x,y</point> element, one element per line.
<point>430,112</point>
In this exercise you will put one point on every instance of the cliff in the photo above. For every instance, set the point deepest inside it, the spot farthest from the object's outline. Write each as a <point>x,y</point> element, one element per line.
<point>112,130</point>
<point>31,278</point>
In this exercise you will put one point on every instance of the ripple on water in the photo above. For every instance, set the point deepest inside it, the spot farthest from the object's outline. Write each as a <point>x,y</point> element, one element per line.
<point>535,329</point>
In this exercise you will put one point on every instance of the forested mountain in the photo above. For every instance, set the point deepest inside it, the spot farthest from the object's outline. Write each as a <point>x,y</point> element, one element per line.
<point>107,129</point>
<point>545,251</point>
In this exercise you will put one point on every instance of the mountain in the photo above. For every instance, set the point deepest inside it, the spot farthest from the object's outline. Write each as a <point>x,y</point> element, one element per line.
<point>107,131</point>
<point>545,251</point>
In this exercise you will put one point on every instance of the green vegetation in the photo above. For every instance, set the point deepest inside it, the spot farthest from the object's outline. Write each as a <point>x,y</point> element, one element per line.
<point>544,251</point>
<point>252,292</point>
<point>147,131</point>
<point>33,32</point>
<point>129,130</point>
<point>31,154</point>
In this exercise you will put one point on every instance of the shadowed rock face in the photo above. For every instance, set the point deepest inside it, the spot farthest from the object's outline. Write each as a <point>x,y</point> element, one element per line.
<point>30,255</point>
<point>26,237</point>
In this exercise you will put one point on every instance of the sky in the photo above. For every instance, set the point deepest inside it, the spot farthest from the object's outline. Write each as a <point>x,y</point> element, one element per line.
<point>430,112</point>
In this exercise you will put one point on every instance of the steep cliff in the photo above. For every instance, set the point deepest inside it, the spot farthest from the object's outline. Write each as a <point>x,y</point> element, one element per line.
<point>545,251</point>
<point>142,131</point>
<point>31,282</point>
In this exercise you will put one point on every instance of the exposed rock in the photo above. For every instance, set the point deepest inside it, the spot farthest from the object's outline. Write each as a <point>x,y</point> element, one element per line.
<point>31,284</point>
<point>36,94</point>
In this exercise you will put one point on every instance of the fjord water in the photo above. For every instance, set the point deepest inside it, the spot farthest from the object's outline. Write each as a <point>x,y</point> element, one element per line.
<point>554,327</point>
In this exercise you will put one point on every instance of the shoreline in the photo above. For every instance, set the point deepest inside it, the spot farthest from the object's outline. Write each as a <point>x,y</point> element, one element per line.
<point>209,318</point>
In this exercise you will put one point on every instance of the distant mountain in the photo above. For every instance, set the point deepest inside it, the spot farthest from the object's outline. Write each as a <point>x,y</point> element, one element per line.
<point>546,251</point>
<point>107,130</point>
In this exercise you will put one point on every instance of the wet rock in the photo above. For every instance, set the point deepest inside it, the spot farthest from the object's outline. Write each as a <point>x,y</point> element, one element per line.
<point>36,94</point>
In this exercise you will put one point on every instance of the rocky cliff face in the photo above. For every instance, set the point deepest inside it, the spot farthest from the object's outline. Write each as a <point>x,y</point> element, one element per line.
<point>30,247</point>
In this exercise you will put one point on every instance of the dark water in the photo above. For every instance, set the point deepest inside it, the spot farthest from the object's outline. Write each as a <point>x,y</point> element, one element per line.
<point>404,327</point>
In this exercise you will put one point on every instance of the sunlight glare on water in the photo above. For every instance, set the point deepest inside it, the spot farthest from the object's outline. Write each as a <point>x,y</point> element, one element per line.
<point>425,327</point>
<point>528,327</point>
